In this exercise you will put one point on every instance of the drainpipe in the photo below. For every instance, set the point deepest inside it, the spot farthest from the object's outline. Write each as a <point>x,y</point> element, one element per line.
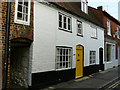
<point>7,45</point>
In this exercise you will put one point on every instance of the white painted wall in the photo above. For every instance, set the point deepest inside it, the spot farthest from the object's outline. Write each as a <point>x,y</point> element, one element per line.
<point>47,36</point>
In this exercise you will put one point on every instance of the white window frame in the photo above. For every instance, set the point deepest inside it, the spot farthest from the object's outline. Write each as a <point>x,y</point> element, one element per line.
<point>67,23</point>
<point>118,32</point>
<point>79,22</point>
<point>92,60</point>
<point>84,7</point>
<point>93,32</point>
<point>67,58</point>
<point>108,28</point>
<point>16,10</point>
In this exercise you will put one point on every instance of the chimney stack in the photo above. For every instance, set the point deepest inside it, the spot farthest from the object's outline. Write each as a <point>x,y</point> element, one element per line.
<point>101,8</point>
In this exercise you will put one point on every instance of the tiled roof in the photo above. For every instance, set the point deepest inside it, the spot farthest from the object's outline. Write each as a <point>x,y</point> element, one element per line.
<point>74,8</point>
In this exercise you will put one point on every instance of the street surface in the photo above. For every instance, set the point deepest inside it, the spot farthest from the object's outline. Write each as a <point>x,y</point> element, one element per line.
<point>104,80</point>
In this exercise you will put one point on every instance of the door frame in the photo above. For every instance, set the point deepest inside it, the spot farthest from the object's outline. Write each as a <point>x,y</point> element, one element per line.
<point>83,59</point>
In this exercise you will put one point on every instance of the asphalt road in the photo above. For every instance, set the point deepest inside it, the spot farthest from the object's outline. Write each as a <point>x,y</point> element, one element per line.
<point>115,85</point>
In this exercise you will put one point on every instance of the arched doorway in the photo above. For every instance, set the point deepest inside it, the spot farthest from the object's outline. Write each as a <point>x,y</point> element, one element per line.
<point>79,61</point>
<point>19,62</point>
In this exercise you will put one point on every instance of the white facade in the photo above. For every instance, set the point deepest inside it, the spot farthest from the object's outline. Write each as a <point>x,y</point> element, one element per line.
<point>119,10</point>
<point>47,36</point>
<point>110,62</point>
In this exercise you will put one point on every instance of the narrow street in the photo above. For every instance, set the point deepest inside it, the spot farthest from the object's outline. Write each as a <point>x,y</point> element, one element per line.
<point>113,85</point>
<point>104,80</point>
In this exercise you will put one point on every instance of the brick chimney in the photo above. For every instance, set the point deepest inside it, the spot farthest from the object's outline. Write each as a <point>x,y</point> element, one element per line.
<point>101,8</point>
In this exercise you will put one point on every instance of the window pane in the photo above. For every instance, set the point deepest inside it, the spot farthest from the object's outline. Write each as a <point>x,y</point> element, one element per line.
<point>66,52</point>
<point>65,22</point>
<point>19,8</point>
<point>26,3</point>
<point>63,51</point>
<point>63,58</point>
<point>26,17</point>
<point>60,51</point>
<point>60,21</point>
<point>27,10</point>
<point>64,65</point>
<point>69,24</point>
<point>68,27</point>
<point>24,10</point>
<point>19,16</point>
<point>60,65</point>
<point>60,59</point>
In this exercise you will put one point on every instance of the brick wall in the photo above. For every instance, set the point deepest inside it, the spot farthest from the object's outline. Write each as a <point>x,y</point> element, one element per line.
<point>16,31</point>
<point>1,45</point>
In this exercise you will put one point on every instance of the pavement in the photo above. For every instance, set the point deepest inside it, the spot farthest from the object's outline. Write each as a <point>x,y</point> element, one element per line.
<point>95,81</point>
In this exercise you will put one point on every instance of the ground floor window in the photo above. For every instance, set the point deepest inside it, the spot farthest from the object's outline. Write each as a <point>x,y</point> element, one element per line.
<point>92,57</point>
<point>108,52</point>
<point>63,57</point>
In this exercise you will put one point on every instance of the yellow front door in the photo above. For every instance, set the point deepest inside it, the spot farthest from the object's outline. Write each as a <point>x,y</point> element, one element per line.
<point>79,61</point>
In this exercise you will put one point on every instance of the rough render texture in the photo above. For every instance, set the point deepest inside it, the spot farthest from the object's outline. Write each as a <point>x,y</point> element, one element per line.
<point>16,31</point>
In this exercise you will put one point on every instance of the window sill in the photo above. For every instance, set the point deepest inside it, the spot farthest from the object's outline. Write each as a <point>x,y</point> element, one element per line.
<point>79,35</point>
<point>92,64</point>
<point>65,30</point>
<point>94,37</point>
<point>109,34</point>
<point>63,69</point>
<point>21,22</point>
<point>108,61</point>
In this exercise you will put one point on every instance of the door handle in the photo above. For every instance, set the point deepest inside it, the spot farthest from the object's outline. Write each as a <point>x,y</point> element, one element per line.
<point>78,60</point>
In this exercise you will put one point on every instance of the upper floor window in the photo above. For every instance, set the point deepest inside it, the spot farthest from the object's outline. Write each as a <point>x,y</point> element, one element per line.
<point>108,28</point>
<point>64,22</point>
<point>22,12</point>
<point>118,32</point>
<point>84,6</point>
<point>94,32</point>
<point>79,28</point>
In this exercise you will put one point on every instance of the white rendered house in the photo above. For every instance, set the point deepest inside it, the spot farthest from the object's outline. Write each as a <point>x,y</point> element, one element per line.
<point>67,43</point>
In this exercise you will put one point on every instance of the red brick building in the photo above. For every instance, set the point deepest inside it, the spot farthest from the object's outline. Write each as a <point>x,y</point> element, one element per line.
<point>20,39</point>
<point>112,37</point>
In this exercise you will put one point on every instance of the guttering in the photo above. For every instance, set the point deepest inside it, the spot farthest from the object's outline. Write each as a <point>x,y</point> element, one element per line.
<point>6,45</point>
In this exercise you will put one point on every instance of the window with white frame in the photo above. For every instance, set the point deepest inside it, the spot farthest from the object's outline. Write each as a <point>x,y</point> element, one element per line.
<point>22,12</point>
<point>79,28</point>
<point>108,28</point>
<point>93,32</point>
<point>64,22</point>
<point>63,57</point>
<point>92,57</point>
<point>84,7</point>
<point>118,32</point>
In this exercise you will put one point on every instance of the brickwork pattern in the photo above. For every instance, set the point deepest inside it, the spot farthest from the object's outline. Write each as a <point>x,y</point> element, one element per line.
<point>1,45</point>
<point>16,31</point>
